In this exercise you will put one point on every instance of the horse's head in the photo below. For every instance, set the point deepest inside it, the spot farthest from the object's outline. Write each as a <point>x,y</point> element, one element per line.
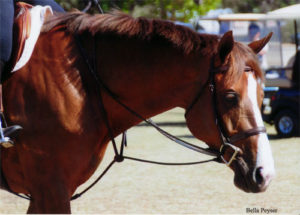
<point>235,102</point>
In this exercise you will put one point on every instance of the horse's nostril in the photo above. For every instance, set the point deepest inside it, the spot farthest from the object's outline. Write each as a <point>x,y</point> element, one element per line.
<point>258,176</point>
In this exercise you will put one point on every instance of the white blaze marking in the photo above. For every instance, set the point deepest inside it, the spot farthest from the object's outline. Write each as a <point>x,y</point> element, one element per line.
<point>264,156</point>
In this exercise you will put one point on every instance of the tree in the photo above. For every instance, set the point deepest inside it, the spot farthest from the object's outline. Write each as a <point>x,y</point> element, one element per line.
<point>181,10</point>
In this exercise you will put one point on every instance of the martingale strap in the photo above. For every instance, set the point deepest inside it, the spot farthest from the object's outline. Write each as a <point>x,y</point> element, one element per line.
<point>119,157</point>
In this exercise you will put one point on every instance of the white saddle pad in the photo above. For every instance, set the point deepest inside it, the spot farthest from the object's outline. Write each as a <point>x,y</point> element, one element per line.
<point>38,15</point>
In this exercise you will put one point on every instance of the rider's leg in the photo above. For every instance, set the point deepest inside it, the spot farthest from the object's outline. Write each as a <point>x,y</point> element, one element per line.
<point>6,32</point>
<point>56,7</point>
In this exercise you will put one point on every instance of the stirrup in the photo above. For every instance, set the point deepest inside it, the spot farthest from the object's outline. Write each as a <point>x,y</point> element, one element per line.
<point>6,142</point>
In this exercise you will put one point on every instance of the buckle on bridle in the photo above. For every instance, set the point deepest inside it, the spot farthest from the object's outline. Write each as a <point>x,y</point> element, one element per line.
<point>233,157</point>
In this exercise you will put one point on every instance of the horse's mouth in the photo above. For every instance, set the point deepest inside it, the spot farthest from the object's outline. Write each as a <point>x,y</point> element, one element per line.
<point>243,177</point>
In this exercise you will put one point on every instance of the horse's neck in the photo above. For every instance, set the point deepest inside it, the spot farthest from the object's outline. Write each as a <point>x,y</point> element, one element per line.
<point>149,78</point>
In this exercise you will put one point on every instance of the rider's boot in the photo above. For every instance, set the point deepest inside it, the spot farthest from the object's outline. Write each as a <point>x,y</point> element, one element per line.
<point>5,132</point>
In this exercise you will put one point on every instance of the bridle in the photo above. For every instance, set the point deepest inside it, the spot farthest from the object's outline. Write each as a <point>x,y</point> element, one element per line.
<point>226,141</point>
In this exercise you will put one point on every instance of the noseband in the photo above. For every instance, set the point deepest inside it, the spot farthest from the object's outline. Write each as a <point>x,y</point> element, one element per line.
<point>226,141</point>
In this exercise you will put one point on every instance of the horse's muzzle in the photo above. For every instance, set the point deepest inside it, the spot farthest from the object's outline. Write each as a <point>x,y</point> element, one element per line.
<point>252,180</point>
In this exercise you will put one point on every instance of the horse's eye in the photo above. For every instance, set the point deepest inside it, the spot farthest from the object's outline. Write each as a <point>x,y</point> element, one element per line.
<point>232,97</point>
<point>248,69</point>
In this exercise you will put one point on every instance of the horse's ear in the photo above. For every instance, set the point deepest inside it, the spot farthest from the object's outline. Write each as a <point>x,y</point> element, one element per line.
<point>225,46</point>
<point>258,45</point>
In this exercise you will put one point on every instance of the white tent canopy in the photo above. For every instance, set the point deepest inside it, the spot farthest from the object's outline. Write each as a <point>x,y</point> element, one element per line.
<point>290,12</point>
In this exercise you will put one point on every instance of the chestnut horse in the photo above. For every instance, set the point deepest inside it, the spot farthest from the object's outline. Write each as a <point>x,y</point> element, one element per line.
<point>151,66</point>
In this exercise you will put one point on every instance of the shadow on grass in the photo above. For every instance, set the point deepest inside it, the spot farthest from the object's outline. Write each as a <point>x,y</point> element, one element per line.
<point>277,137</point>
<point>165,124</point>
<point>183,124</point>
<point>273,137</point>
<point>186,136</point>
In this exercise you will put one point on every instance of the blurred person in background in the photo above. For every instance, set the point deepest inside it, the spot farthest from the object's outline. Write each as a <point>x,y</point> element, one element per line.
<point>253,35</point>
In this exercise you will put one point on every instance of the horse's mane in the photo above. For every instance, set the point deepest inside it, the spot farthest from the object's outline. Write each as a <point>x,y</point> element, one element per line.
<point>122,24</point>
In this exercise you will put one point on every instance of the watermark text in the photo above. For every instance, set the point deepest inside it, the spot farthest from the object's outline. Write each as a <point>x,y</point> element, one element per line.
<point>261,210</point>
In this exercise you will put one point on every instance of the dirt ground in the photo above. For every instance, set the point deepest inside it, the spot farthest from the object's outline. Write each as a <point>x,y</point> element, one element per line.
<point>131,187</point>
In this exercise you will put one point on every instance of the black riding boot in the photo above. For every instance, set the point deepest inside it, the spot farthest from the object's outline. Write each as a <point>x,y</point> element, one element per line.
<point>5,131</point>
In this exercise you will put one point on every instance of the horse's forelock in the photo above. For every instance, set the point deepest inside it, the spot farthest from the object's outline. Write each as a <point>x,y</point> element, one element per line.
<point>240,55</point>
